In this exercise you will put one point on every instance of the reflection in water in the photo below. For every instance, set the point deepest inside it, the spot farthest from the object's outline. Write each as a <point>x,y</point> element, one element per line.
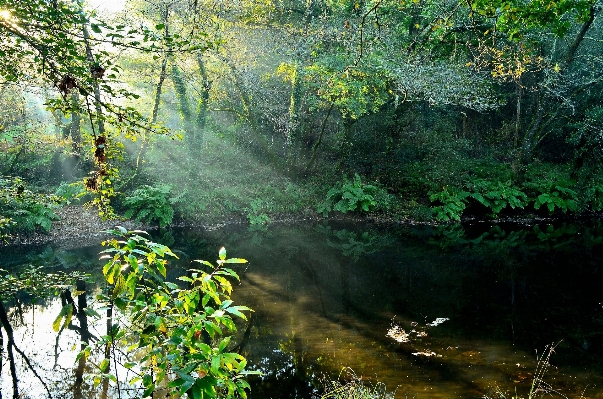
<point>325,297</point>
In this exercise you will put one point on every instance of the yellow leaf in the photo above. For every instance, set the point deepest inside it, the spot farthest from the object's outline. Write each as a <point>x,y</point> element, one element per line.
<point>556,68</point>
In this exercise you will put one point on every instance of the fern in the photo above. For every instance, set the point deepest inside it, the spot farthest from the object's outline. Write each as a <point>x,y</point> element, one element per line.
<point>150,204</point>
<point>349,196</point>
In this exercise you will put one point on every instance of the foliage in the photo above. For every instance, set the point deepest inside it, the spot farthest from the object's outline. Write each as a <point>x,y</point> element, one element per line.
<point>176,337</point>
<point>23,210</point>
<point>72,59</point>
<point>151,203</point>
<point>498,195</point>
<point>557,196</point>
<point>36,282</point>
<point>587,139</point>
<point>453,203</point>
<point>72,192</point>
<point>495,196</point>
<point>255,214</point>
<point>592,196</point>
<point>349,196</point>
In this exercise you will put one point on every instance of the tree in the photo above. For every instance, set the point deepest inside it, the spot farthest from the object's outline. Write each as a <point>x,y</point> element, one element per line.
<point>58,44</point>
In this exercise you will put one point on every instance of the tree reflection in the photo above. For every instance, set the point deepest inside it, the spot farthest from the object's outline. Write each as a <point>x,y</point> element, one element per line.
<point>31,281</point>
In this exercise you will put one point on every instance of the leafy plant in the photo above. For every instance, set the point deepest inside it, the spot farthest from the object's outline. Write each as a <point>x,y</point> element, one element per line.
<point>151,204</point>
<point>592,197</point>
<point>453,203</point>
<point>556,196</point>
<point>176,337</point>
<point>23,210</point>
<point>349,196</point>
<point>498,196</point>
<point>255,214</point>
<point>72,192</point>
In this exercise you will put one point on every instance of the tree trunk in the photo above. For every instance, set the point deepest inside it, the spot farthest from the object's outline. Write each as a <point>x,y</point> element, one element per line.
<point>10,338</point>
<point>573,48</point>
<point>75,126</point>
<point>196,141</point>
<point>184,107</point>
<point>84,337</point>
<point>294,123</point>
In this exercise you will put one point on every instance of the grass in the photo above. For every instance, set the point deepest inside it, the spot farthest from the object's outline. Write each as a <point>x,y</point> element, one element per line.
<point>539,388</point>
<point>354,387</point>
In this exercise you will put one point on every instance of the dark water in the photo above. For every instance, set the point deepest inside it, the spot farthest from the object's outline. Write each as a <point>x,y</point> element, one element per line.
<point>326,295</point>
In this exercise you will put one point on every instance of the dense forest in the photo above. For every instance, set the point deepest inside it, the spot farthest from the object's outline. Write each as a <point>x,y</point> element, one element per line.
<point>213,110</point>
<point>204,111</point>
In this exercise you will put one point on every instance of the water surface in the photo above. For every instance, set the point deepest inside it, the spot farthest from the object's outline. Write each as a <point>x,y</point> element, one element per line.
<point>326,295</point>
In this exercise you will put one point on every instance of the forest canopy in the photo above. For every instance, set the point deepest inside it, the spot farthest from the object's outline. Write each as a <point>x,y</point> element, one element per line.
<point>432,102</point>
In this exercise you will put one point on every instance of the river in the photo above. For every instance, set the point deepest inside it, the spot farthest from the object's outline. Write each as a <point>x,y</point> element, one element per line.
<point>455,311</point>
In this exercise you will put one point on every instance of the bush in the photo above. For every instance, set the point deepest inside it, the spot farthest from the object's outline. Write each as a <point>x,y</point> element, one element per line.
<point>178,337</point>
<point>453,203</point>
<point>73,193</point>
<point>151,204</point>
<point>22,210</point>
<point>495,196</point>
<point>350,196</point>
<point>557,197</point>
<point>255,213</point>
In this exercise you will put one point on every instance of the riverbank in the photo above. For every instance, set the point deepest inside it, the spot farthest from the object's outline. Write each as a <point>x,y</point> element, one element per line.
<point>76,223</point>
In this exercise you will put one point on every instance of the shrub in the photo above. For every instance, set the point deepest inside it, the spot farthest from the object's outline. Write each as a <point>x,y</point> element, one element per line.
<point>557,195</point>
<point>453,203</point>
<point>255,213</point>
<point>151,204</point>
<point>349,196</point>
<point>177,338</point>
<point>495,196</point>
<point>23,210</point>
<point>73,192</point>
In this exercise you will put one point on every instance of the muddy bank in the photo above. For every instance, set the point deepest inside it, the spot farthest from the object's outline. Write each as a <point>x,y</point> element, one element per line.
<point>79,225</point>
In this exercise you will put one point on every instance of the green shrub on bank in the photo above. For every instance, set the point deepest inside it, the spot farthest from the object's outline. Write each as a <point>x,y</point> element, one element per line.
<point>151,204</point>
<point>496,196</point>
<point>73,193</point>
<point>353,196</point>
<point>22,210</point>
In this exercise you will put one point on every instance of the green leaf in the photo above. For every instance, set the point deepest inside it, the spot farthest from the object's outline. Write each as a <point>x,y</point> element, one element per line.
<point>120,286</point>
<point>223,344</point>
<point>67,313</point>
<point>95,28</point>
<point>215,364</point>
<point>236,310</point>
<point>104,365</point>
<point>91,313</point>
<point>235,260</point>
<point>222,253</point>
